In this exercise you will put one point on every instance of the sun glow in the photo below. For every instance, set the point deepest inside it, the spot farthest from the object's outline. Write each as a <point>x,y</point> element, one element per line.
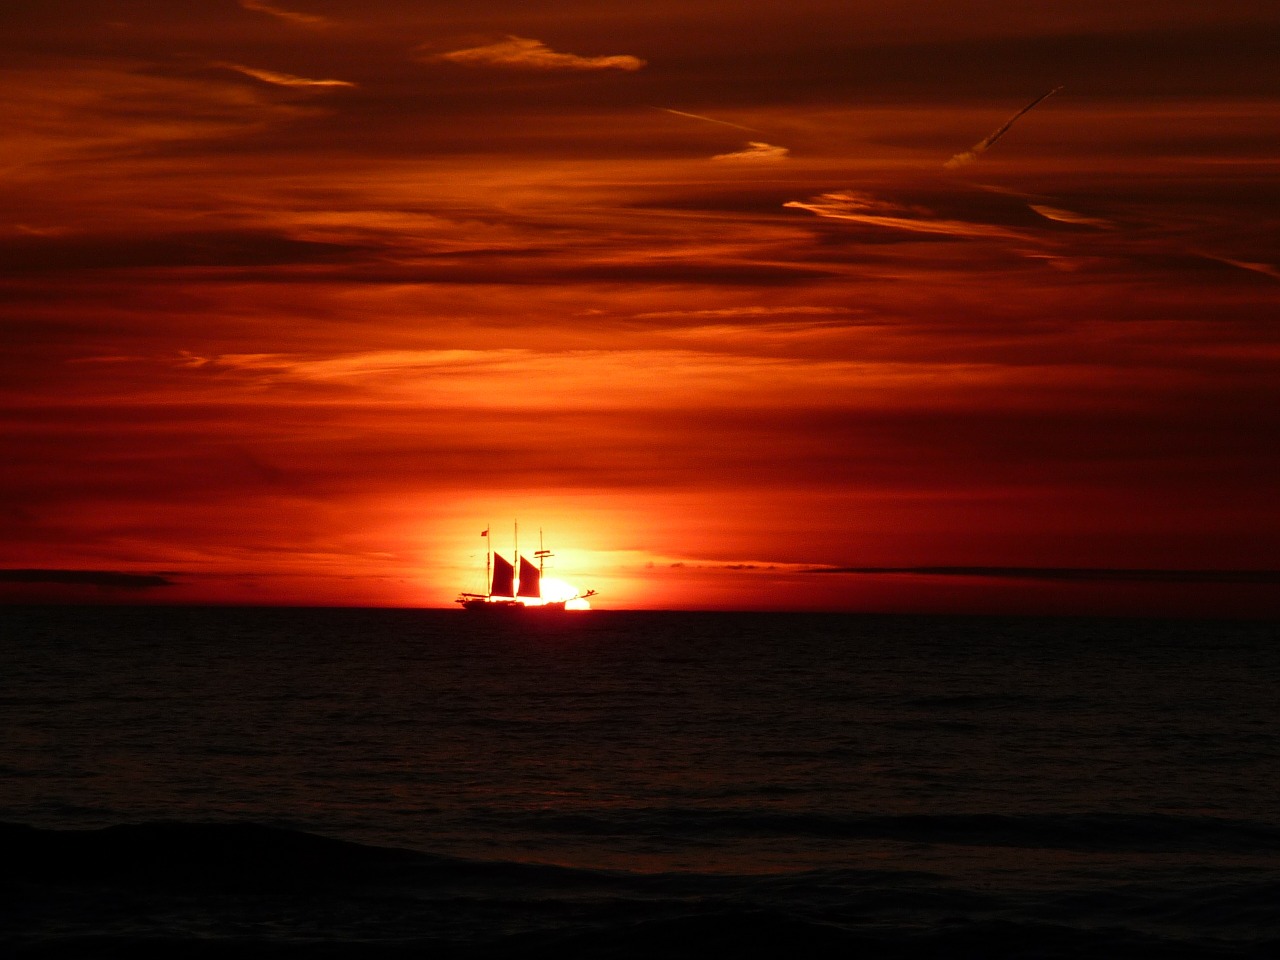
<point>555,590</point>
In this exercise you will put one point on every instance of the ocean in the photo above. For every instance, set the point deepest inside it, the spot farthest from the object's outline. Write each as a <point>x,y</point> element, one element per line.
<point>386,783</point>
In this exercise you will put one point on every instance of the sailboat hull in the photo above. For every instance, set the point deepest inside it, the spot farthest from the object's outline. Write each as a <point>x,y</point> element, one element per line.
<point>483,605</point>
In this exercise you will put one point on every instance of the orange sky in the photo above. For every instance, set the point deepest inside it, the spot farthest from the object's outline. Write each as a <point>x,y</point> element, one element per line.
<point>297,297</point>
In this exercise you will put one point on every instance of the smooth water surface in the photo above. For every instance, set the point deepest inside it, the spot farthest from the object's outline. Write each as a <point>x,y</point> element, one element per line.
<point>883,777</point>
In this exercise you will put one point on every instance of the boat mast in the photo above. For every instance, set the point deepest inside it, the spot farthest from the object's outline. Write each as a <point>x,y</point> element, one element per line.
<point>488,560</point>
<point>542,553</point>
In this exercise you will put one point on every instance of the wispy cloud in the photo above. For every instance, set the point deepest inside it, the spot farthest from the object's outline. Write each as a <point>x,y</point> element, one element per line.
<point>522,53</point>
<point>737,566</point>
<point>611,379</point>
<point>860,208</point>
<point>1266,269</point>
<point>282,79</point>
<point>73,112</point>
<point>755,152</point>
<point>289,16</point>
<point>107,579</point>
<point>1069,216</point>
<point>1069,574</point>
<point>739,312</point>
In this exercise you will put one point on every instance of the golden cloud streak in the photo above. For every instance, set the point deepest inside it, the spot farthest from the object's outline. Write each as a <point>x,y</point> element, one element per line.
<point>1068,216</point>
<point>861,209</point>
<point>613,380</point>
<point>735,312</point>
<point>74,112</point>
<point>282,79</point>
<point>755,152</point>
<point>522,53</point>
<point>289,16</point>
<point>1266,269</point>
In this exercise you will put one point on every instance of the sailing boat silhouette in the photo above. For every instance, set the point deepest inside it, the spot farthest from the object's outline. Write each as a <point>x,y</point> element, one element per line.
<point>515,586</point>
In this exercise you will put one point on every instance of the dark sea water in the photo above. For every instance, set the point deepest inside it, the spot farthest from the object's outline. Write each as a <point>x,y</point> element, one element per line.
<point>276,782</point>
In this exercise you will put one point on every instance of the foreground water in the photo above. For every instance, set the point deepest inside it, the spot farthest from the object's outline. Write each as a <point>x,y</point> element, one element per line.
<point>322,782</point>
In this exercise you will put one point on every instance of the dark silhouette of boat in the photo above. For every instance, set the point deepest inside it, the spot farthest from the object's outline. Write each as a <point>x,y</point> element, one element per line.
<point>515,587</point>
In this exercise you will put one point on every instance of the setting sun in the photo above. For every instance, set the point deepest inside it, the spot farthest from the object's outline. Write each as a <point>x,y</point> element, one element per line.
<point>554,590</point>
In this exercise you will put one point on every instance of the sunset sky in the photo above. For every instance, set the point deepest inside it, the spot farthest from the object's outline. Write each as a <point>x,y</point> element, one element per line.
<point>299,297</point>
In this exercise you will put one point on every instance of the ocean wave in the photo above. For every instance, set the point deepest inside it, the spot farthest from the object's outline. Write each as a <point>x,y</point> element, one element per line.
<point>217,890</point>
<point>242,856</point>
<point>995,701</point>
<point>1116,832</point>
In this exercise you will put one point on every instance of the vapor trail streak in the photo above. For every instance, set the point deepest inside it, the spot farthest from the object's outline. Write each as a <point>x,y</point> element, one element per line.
<point>698,116</point>
<point>979,148</point>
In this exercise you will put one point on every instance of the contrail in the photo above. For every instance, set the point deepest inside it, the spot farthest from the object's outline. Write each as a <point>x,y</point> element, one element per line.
<point>981,147</point>
<point>698,116</point>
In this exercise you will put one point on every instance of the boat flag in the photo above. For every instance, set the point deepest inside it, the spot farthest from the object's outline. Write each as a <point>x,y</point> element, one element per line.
<point>484,532</point>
